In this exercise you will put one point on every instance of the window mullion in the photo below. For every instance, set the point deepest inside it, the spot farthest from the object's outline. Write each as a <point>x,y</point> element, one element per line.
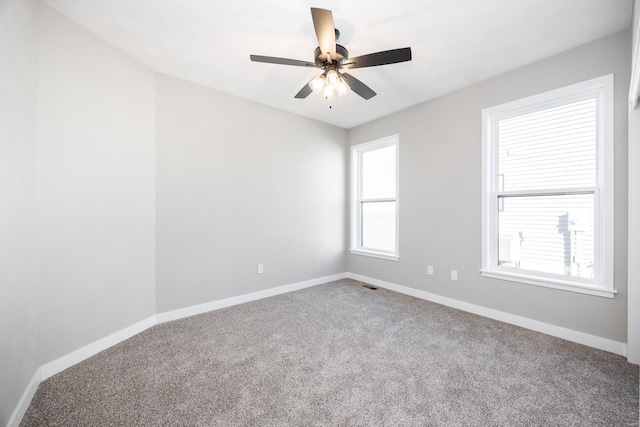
<point>378,200</point>
<point>549,192</point>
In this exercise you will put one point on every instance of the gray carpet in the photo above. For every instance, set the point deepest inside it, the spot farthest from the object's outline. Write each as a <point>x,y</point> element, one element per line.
<point>340,354</point>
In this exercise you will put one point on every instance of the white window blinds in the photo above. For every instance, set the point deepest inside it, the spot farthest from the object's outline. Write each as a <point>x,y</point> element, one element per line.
<point>549,149</point>
<point>379,173</point>
<point>378,199</point>
<point>546,179</point>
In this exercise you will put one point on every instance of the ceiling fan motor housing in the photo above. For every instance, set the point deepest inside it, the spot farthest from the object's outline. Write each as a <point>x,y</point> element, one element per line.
<point>342,54</point>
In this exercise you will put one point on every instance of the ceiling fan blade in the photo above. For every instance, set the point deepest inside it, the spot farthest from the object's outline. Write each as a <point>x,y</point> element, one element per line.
<point>325,31</point>
<point>304,92</point>
<point>358,87</point>
<point>282,61</point>
<point>379,58</point>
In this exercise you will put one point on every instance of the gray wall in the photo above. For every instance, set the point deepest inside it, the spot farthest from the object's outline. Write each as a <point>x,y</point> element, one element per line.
<point>440,187</point>
<point>96,186</point>
<point>240,184</point>
<point>18,291</point>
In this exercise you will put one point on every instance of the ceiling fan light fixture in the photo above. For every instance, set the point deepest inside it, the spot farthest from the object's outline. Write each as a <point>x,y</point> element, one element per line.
<point>342,87</point>
<point>327,92</point>
<point>317,84</point>
<point>332,79</point>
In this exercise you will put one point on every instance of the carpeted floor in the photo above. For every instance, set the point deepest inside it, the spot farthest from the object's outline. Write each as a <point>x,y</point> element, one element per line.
<point>340,354</point>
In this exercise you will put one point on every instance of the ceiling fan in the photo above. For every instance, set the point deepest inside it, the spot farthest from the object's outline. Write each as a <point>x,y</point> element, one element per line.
<point>332,58</point>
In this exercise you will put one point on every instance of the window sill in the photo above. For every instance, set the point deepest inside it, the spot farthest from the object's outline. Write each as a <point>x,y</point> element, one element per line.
<point>564,285</point>
<point>373,254</point>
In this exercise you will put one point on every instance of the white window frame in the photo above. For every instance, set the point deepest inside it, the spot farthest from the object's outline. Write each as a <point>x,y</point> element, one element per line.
<point>602,284</point>
<point>356,198</point>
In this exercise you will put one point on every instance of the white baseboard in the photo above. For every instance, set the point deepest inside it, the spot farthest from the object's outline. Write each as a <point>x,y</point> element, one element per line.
<point>535,325</point>
<point>49,369</point>
<point>168,316</point>
<point>25,400</point>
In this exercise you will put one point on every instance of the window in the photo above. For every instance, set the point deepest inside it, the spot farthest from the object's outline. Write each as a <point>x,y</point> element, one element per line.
<point>374,198</point>
<point>548,189</point>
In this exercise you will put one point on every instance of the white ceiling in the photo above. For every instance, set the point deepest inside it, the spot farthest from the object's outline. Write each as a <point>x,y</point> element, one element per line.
<point>454,43</point>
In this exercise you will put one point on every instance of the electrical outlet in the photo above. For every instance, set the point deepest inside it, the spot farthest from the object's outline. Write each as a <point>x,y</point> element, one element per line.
<point>260,268</point>
<point>454,274</point>
<point>430,270</point>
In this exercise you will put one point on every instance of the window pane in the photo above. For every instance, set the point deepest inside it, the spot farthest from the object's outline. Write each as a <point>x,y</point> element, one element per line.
<point>551,148</point>
<point>379,226</point>
<point>379,173</point>
<point>551,234</point>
